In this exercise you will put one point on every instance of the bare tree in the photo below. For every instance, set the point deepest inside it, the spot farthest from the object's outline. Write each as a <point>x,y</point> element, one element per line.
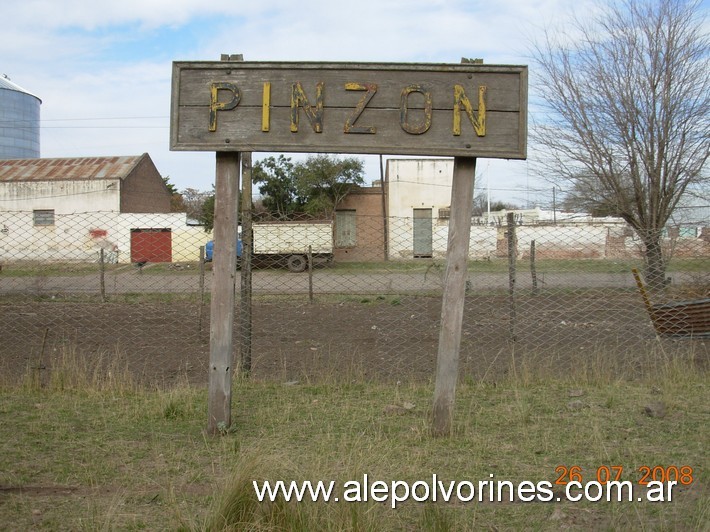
<point>194,200</point>
<point>177,204</point>
<point>481,204</point>
<point>629,111</point>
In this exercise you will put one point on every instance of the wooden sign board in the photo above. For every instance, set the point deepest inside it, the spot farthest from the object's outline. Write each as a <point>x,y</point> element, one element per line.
<point>470,110</point>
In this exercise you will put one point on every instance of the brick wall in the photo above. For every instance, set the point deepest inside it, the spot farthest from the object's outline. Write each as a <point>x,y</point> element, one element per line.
<point>143,189</point>
<point>367,204</point>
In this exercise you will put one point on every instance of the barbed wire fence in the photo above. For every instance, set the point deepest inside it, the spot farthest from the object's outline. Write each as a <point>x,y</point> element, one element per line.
<point>138,286</point>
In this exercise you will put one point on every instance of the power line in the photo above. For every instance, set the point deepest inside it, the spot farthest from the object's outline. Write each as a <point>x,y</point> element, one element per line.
<point>103,118</point>
<point>32,124</point>
<point>104,127</point>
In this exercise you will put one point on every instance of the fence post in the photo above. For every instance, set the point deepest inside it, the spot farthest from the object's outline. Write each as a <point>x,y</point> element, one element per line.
<point>533,267</point>
<point>102,275</point>
<point>200,309</point>
<point>310,274</point>
<point>385,220</point>
<point>245,313</point>
<point>512,247</point>
<point>224,261</point>
<point>447,361</point>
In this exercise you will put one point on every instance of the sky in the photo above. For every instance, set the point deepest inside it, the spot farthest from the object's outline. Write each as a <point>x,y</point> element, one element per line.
<point>102,68</point>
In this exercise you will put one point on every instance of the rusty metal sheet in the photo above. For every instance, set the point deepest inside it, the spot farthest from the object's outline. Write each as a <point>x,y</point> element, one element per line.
<point>72,168</point>
<point>686,318</point>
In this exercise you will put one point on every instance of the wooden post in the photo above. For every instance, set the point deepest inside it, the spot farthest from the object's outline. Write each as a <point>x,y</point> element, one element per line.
<point>247,247</point>
<point>310,274</point>
<point>512,272</point>
<point>223,283</point>
<point>102,276</point>
<point>533,267</point>
<point>447,362</point>
<point>200,309</point>
<point>385,221</point>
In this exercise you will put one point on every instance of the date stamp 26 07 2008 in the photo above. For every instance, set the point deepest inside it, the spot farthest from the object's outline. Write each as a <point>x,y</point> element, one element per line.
<point>653,478</point>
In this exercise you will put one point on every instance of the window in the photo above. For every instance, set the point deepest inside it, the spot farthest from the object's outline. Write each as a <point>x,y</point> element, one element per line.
<point>43,217</point>
<point>345,229</point>
<point>423,236</point>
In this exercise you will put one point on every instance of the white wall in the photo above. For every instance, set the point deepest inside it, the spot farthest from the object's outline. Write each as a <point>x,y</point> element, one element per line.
<point>418,184</point>
<point>81,236</point>
<point>426,184</point>
<point>563,241</point>
<point>63,196</point>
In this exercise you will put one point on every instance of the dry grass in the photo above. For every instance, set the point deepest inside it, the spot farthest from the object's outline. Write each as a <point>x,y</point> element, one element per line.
<point>89,449</point>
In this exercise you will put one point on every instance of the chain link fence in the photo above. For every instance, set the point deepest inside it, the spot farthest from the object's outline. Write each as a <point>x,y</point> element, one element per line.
<point>357,298</point>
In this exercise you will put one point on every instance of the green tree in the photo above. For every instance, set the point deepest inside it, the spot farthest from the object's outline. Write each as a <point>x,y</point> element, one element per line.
<point>314,186</point>
<point>324,181</point>
<point>628,112</point>
<point>277,186</point>
<point>206,216</point>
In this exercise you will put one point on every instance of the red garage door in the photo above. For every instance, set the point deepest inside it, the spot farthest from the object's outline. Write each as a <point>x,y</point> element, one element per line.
<point>151,245</point>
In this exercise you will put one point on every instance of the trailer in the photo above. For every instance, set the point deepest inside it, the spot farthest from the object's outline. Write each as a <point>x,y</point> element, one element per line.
<point>683,319</point>
<point>287,244</point>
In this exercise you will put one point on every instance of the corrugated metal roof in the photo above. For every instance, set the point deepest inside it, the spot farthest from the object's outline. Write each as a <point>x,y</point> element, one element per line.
<point>5,83</point>
<point>74,168</point>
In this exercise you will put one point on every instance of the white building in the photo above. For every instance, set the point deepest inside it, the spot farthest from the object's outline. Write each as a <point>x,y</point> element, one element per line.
<point>417,189</point>
<point>418,201</point>
<point>72,208</point>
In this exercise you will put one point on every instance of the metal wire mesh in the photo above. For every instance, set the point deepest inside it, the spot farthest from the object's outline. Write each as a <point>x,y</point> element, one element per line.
<point>369,308</point>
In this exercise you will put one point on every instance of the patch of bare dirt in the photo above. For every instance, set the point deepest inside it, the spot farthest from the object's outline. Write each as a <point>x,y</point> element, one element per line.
<point>379,338</point>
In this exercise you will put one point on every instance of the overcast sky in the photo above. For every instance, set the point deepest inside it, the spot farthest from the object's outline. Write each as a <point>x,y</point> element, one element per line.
<point>102,68</point>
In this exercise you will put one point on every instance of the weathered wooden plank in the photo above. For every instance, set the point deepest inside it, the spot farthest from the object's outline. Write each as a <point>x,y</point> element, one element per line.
<point>503,89</point>
<point>390,136</point>
<point>452,305</point>
<point>350,108</point>
<point>224,268</point>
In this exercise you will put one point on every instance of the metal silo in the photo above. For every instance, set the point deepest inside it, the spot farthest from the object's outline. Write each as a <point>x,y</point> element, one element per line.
<point>19,122</point>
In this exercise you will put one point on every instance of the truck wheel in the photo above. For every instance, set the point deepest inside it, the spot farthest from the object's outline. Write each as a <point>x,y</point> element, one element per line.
<point>296,263</point>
